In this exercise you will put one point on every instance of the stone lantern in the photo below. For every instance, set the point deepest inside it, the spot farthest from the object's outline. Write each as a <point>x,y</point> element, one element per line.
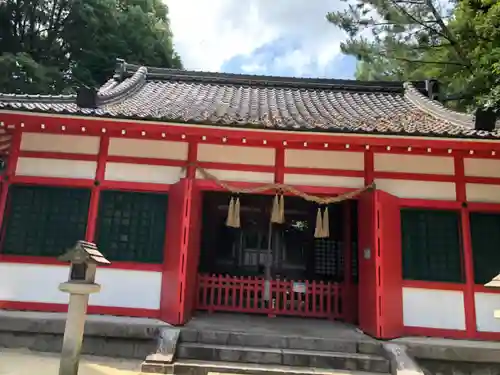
<point>83,258</point>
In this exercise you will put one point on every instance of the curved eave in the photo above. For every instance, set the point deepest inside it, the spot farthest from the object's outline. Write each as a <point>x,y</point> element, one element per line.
<point>484,136</point>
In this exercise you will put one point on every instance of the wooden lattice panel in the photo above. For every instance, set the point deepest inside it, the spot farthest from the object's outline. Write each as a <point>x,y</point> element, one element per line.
<point>431,245</point>
<point>131,226</point>
<point>44,221</point>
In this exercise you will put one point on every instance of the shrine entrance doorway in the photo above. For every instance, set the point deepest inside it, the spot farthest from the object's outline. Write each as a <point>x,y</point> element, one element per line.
<point>278,269</point>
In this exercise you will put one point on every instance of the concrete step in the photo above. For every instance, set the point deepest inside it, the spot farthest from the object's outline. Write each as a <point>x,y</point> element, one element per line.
<point>193,367</point>
<point>214,337</point>
<point>105,336</point>
<point>286,357</point>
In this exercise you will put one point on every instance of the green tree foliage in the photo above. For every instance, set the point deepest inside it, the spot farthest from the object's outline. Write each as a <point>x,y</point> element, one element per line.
<point>54,46</point>
<point>456,42</point>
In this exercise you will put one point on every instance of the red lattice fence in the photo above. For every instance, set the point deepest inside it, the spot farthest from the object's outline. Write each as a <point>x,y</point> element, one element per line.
<point>247,295</point>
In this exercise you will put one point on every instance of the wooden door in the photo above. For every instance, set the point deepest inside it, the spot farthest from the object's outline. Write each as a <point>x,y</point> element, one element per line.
<point>380,269</point>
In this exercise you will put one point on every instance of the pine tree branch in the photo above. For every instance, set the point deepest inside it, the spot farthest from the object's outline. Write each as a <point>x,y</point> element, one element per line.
<point>423,62</point>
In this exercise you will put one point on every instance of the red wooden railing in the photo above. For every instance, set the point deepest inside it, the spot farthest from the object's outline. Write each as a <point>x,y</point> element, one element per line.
<point>246,295</point>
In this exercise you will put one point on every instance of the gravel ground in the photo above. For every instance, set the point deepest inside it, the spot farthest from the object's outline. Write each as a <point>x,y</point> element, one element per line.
<point>24,362</point>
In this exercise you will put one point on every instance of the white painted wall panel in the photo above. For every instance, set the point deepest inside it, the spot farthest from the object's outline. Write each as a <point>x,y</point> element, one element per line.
<point>483,193</point>
<point>418,189</point>
<point>318,180</point>
<point>226,175</point>
<point>414,164</point>
<point>482,167</point>
<point>325,159</point>
<point>148,148</point>
<point>143,173</point>
<point>128,288</point>
<point>486,304</point>
<point>56,168</point>
<point>236,154</point>
<point>40,283</point>
<point>75,144</point>
<point>433,308</point>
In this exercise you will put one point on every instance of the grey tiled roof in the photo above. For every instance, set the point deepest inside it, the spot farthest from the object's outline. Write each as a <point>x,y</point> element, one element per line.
<point>278,103</point>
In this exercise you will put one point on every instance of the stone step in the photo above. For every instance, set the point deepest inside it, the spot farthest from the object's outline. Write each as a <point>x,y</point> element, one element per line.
<point>214,337</point>
<point>105,336</point>
<point>286,357</point>
<point>193,367</point>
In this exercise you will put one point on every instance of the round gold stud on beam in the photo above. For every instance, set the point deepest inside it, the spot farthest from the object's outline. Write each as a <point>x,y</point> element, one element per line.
<point>326,145</point>
<point>123,132</point>
<point>2,123</point>
<point>22,124</point>
<point>493,153</point>
<point>63,128</point>
<point>224,139</point>
<point>367,147</point>
<point>409,148</point>
<point>42,126</point>
<point>284,143</point>
<point>203,138</point>
<point>347,145</point>
<point>388,148</point>
<point>183,136</point>
<point>103,130</point>
<point>450,151</point>
<point>471,152</point>
<point>244,140</point>
<point>264,142</point>
<point>143,133</point>
<point>429,150</point>
<point>305,144</point>
<point>83,129</point>
<point>163,135</point>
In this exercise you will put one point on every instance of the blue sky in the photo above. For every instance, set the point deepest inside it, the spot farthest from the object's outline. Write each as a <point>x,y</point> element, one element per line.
<point>267,60</point>
<point>270,37</point>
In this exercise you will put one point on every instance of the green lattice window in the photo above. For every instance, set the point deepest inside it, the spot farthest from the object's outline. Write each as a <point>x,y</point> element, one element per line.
<point>44,221</point>
<point>131,226</point>
<point>485,233</point>
<point>431,245</point>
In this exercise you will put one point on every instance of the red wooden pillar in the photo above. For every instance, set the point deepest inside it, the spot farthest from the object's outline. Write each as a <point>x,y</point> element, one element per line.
<point>182,247</point>
<point>467,256</point>
<point>96,189</point>
<point>10,171</point>
<point>380,266</point>
<point>181,254</point>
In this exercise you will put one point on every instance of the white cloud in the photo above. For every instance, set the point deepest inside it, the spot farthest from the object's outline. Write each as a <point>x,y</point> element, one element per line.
<point>209,33</point>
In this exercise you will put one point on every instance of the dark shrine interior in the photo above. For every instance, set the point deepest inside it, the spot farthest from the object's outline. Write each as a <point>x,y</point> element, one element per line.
<point>295,253</point>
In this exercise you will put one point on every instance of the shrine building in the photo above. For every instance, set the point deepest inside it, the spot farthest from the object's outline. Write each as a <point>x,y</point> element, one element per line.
<point>363,202</point>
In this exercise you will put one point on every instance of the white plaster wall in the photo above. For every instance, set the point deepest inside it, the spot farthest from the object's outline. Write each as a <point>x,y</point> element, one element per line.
<point>148,148</point>
<point>480,167</point>
<point>414,164</point>
<point>236,154</point>
<point>143,173</point>
<point>40,283</point>
<point>486,304</point>
<point>433,308</point>
<point>324,159</point>
<point>483,193</point>
<point>75,144</point>
<point>243,176</point>
<point>418,189</point>
<point>318,180</point>
<point>56,168</point>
